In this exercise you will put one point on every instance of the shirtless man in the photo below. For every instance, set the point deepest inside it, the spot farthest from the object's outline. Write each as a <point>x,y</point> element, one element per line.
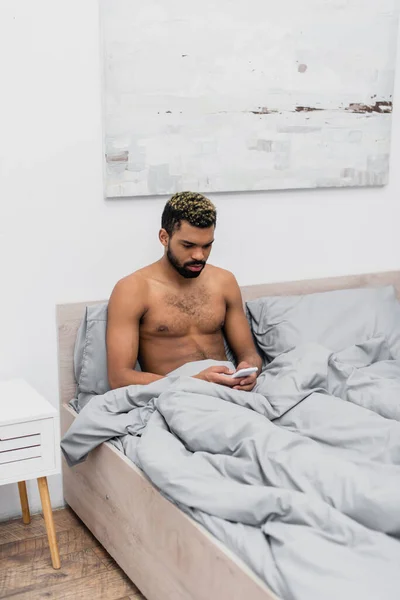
<point>176,310</point>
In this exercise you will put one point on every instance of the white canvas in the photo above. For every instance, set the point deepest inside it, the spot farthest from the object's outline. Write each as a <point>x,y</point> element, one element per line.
<point>228,96</point>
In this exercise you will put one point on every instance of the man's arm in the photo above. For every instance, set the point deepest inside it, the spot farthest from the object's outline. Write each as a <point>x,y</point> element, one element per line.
<point>126,307</point>
<point>238,333</point>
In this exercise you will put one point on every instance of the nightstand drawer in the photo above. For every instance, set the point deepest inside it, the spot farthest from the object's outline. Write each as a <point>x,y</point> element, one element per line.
<point>15,443</point>
<point>26,449</point>
<point>10,456</point>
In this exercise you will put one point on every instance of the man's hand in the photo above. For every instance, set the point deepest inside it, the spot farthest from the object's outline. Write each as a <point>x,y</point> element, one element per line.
<point>246,383</point>
<point>218,374</point>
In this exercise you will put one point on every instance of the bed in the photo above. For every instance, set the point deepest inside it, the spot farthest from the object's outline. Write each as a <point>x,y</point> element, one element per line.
<point>163,551</point>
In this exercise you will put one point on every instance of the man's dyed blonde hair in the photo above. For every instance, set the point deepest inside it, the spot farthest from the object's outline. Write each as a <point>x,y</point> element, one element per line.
<point>194,208</point>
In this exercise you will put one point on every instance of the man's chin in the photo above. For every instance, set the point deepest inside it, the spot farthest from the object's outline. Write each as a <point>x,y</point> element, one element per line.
<point>189,274</point>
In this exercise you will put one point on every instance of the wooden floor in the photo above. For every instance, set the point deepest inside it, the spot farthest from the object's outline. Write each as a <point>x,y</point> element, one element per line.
<point>87,571</point>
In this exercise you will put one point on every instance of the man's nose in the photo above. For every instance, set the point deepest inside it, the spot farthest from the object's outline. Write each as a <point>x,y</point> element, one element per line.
<point>198,254</point>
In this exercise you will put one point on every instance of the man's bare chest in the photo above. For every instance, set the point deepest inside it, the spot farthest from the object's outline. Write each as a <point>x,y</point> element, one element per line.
<point>194,312</point>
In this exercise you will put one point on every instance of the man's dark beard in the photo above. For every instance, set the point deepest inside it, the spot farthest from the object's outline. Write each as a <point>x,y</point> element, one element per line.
<point>182,269</point>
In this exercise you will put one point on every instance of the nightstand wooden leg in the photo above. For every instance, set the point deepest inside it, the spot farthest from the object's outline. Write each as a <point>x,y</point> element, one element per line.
<point>23,496</point>
<point>48,518</point>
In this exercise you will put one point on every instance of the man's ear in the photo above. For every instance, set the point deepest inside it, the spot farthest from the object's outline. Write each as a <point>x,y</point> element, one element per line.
<point>163,237</point>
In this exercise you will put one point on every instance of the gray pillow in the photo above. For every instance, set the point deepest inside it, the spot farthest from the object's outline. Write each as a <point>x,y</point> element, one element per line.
<point>90,357</point>
<point>90,354</point>
<point>336,319</point>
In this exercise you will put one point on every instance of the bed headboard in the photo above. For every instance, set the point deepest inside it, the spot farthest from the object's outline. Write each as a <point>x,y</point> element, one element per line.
<point>69,316</point>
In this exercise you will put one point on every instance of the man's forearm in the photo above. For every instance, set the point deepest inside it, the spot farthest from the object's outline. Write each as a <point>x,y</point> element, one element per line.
<point>131,377</point>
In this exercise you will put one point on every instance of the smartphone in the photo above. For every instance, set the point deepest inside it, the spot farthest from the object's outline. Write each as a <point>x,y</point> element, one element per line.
<point>244,372</point>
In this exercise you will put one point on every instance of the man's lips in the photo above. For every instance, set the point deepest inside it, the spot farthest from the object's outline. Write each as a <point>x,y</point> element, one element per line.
<point>195,267</point>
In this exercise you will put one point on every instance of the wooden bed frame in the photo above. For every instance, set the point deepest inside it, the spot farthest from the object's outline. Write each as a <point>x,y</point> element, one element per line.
<point>164,552</point>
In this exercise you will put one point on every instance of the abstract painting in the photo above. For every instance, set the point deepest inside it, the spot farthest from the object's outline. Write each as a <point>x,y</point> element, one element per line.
<point>230,95</point>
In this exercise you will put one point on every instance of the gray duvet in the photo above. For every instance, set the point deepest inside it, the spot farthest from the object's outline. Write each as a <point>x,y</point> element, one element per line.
<point>301,477</point>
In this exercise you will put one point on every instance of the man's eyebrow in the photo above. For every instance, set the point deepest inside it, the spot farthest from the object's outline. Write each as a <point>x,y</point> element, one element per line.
<point>193,244</point>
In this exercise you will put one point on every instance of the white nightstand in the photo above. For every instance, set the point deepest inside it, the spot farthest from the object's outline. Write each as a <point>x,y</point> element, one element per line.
<point>29,448</point>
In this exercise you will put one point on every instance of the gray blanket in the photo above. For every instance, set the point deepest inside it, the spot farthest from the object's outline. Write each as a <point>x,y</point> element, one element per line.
<point>300,477</point>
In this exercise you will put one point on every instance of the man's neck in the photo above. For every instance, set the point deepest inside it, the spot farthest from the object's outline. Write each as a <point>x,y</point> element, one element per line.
<point>173,276</point>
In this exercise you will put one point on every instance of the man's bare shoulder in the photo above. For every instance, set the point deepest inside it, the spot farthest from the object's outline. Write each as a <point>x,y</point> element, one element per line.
<point>223,276</point>
<point>131,292</point>
<point>132,281</point>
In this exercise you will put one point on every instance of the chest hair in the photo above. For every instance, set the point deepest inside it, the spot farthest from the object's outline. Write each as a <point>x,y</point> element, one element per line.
<point>195,303</point>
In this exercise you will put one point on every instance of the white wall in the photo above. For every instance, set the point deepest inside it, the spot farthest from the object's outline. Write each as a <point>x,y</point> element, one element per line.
<point>61,244</point>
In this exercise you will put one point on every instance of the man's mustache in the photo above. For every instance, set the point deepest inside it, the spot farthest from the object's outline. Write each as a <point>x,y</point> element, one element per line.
<point>195,264</point>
